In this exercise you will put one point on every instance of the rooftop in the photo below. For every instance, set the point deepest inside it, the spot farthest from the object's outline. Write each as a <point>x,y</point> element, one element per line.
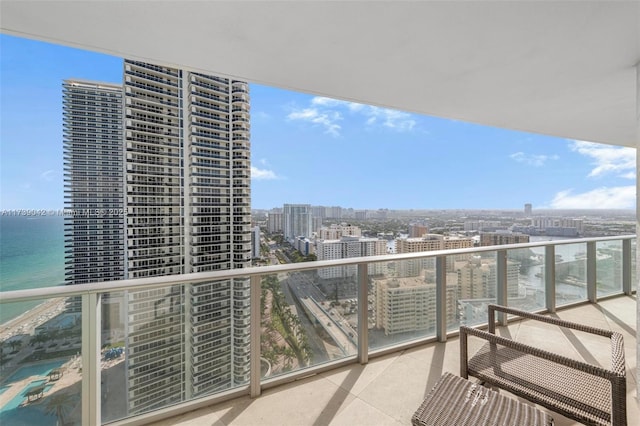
<point>388,389</point>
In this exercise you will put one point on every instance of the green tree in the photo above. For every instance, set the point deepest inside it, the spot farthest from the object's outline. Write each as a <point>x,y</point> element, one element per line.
<point>15,344</point>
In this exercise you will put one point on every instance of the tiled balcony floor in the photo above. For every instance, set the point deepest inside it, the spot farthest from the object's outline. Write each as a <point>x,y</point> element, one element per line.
<point>388,389</point>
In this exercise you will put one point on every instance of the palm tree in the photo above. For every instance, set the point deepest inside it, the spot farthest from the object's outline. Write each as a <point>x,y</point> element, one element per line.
<point>40,338</point>
<point>59,405</point>
<point>15,344</point>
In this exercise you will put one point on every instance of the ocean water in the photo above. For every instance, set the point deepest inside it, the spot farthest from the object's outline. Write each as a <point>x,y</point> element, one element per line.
<point>31,256</point>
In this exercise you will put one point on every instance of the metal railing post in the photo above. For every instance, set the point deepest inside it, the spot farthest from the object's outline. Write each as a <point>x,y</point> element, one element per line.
<point>363,313</point>
<point>91,374</point>
<point>441,298</point>
<point>501,283</point>
<point>550,277</point>
<point>626,267</point>
<point>254,336</point>
<point>592,291</point>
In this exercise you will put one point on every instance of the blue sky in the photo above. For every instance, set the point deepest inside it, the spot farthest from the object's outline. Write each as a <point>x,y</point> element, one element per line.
<point>320,151</point>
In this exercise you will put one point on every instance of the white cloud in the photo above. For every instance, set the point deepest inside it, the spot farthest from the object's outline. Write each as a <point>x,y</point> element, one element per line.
<point>48,175</point>
<point>262,174</point>
<point>397,120</point>
<point>536,160</point>
<point>326,119</point>
<point>621,197</point>
<point>329,102</point>
<point>607,159</point>
<point>327,111</point>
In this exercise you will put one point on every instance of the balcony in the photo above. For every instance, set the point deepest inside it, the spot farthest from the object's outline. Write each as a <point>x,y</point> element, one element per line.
<point>374,336</point>
<point>388,389</point>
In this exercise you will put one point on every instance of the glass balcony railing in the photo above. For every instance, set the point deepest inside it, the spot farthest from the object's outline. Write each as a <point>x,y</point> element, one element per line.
<point>149,348</point>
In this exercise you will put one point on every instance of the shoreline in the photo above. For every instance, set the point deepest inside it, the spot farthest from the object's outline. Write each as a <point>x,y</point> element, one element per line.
<point>25,323</point>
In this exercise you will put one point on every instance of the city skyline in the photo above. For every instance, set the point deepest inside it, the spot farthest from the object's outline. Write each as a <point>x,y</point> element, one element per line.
<point>320,151</point>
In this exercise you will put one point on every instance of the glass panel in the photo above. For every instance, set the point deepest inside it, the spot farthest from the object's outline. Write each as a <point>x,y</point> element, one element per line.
<point>472,285</point>
<point>571,273</point>
<point>608,267</point>
<point>112,356</point>
<point>41,368</point>
<point>402,301</point>
<point>172,344</point>
<point>525,278</point>
<point>634,283</point>
<point>308,318</point>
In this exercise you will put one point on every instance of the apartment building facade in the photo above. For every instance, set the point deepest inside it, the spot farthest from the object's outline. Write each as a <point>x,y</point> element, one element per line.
<point>346,247</point>
<point>500,238</point>
<point>296,221</point>
<point>335,232</point>
<point>274,221</point>
<point>94,185</point>
<point>188,210</point>
<point>428,242</point>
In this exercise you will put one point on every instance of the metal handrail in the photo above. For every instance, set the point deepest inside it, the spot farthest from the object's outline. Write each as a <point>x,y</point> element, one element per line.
<point>244,273</point>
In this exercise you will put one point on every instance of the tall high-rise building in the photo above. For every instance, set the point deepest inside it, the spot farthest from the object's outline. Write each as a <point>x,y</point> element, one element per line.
<point>528,209</point>
<point>93,175</point>
<point>274,221</point>
<point>296,221</point>
<point>158,181</point>
<point>188,201</point>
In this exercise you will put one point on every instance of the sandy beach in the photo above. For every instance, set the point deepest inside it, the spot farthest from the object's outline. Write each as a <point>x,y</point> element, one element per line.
<point>26,323</point>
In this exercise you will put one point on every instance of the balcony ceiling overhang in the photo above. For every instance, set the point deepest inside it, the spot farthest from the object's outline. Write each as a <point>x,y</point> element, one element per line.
<point>555,67</point>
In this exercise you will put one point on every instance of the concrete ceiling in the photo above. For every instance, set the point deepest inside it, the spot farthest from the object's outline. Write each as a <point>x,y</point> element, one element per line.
<point>562,68</point>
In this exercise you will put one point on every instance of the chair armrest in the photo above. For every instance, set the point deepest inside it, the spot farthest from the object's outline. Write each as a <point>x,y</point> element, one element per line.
<point>617,344</point>
<point>550,320</point>
<point>521,347</point>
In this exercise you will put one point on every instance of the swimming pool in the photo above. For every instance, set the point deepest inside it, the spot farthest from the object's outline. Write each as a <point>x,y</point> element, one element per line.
<point>41,369</point>
<point>17,400</point>
<point>14,414</point>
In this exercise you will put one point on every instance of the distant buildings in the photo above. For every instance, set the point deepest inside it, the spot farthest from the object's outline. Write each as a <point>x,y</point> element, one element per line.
<point>296,221</point>
<point>304,245</point>
<point>361,215</point>
<point>409,305</point>
<point>274,221</point>
<point>477,277</point>
<point>482,225</point>
<point>528,210</point>
<point>565,227</point>
<point>346,247</point>
<point>431,242</point>
<point>417,230</point>
<point>335,232</point>
<point>500,238</point>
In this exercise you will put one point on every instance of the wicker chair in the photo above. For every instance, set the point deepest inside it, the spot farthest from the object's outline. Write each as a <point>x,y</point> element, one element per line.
<point>587,393</point>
